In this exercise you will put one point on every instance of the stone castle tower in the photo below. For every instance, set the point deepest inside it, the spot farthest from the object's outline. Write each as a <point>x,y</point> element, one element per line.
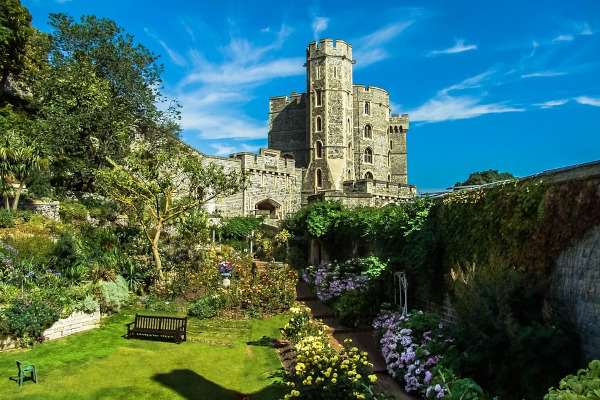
<point>341,133</point>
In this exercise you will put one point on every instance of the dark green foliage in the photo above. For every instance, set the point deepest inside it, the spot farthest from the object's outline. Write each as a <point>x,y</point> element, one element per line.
<point>239,228</point>
<point>489,176</point>
<point>208,306</point>
<point>25,318</point>
<point>67,251</point>
<point>357,308</point>
<point>7,218</point>
<point>506,337</point>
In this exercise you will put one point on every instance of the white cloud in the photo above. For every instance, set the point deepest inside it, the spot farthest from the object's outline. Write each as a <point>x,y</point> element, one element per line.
<point>552,103</point>
<point>447,108</point>
<point>470,83</point>
<point>222,150</point>
<point>543,74</point>
<point>591,101</point>
<point>173,55</point>
<point>369,49</point>
<point>319,24</point>
<point>459,47</point>
<point>563,38</point>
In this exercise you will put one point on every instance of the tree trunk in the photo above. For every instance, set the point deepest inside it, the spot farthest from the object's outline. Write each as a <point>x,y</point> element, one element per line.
<point>155,253</point>
<point>17,196</point>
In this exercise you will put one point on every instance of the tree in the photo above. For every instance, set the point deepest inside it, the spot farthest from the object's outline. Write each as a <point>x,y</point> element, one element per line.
<point>100,91</point>
<point>157,186</point>
<point>489,176</point>
<point>15,29</point>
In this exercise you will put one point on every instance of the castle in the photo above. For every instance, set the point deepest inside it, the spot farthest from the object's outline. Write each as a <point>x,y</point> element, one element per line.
<point>337,141</point>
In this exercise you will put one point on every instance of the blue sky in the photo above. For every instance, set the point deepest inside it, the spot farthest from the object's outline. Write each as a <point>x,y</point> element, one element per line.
<point>507,85</point>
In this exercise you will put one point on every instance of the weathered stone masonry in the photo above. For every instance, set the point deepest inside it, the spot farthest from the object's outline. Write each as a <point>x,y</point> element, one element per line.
<point>337,141</point>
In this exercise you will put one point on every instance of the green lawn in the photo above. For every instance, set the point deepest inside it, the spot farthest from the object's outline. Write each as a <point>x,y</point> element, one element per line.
<point>218,361</point>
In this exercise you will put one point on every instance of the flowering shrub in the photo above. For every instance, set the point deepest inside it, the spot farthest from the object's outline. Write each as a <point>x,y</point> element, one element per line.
<point>26,317</point>
<point>332,280</point>
<point>325,373</point>
<point>301,325</point>
<point>412,347</point>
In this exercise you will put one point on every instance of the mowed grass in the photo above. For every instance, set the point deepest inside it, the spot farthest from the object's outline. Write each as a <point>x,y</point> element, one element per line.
<point>218,361</point>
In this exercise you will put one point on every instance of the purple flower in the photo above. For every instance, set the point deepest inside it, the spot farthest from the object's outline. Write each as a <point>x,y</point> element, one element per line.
<point>428,376</point>
<point>48,271</point>
<point>57,274</point>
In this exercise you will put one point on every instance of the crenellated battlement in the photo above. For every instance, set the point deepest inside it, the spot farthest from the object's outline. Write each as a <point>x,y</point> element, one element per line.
<point>329,47</point>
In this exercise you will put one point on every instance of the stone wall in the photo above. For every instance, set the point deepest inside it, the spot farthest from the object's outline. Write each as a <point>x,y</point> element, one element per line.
<point>576,289</point>
<point>49,209</point>
<point>75,323</point>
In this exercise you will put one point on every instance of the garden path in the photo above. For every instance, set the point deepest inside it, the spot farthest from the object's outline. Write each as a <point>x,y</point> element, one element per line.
<point>361,338</point>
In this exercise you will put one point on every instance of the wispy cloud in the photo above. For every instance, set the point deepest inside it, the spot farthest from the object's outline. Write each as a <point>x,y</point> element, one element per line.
<point>447,108</point>
<point>459,47</point>
<point>319,24</point>
<point>552,103</point>
<point>470,83</point>
<point>544,74</point>
<point>370,48</point>
<point>173,55</point>
<point>591,101</point>
<point>563,38</point>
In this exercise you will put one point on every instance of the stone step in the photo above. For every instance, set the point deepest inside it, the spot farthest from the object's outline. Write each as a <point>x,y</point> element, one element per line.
<point>304,292</point>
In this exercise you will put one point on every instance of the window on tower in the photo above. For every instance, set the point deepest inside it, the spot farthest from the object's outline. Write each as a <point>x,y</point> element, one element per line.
<point>367,108</point>
<point>318,95</point>
<point>318,124</point>
<point>368,132</point>
<point>319,178</point>
<point>368,155</point>
<point>319,149</point>
<point>369,175</point>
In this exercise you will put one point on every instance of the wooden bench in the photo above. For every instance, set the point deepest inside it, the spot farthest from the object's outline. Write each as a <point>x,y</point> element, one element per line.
<point>158,325</point>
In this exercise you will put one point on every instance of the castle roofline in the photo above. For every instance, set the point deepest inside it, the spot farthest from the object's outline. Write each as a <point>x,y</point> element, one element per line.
<point>335,42</point>
<point>367,88</point>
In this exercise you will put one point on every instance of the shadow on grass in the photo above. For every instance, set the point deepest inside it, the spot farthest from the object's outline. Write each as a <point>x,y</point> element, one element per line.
<point>193,386</point>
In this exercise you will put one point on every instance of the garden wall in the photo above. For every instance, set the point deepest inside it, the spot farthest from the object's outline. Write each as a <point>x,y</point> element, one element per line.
<point>576,289</point>
<point>75,323</point>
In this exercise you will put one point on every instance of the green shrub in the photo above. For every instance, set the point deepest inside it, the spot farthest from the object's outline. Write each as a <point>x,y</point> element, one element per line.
<point>26,318</point>
<point>89,304</point>
<point>158,304</point>
<point>207,306</point>
<point>73,212</point>
<point>583,386</point>
<point>356,308</point>
<point>7,218</point>
<point>114,295</point>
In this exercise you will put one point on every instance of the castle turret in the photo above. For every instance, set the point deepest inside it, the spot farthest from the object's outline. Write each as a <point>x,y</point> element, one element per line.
<point>329,115</point>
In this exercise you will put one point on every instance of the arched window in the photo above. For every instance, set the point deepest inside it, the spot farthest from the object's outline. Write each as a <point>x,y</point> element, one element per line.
<point>367,108</point>
<point>391,147</point>
<point>349,150</point>
<point>318,95</point>
<point>318,149</point>
<point>396,129</point>
<point>349,175</point>
<point>368,155</point>
<point>368,132</point>
<point>389,157</point>
<point>369,175</point>
<point>319,125</point>
<point>319,178</point>
<point>348,125</point>
<point>389,178</point>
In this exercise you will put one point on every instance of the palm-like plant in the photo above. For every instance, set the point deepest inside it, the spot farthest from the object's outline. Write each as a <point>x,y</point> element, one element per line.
<point>27,159</point>
<point>7,155</point>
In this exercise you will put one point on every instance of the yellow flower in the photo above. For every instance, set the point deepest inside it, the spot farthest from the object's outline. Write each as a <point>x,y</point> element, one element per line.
<point>333,380</point>
<point>372,378</point>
